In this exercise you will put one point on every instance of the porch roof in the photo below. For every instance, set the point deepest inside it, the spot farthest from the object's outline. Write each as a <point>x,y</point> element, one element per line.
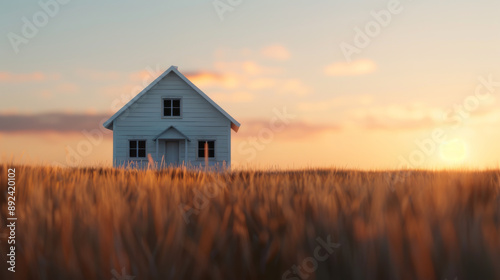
<point>171,133</point>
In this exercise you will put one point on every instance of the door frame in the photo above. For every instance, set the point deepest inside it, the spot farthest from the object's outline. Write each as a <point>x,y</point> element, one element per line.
<point>178,156</point>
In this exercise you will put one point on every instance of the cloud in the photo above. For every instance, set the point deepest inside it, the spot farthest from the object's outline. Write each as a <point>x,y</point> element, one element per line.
<point>236,97</point>
<point>276,52</point>
<point>335,103</point>
<point>246,67</point>
<point>207,79</point>
<point>46,94</point>
<point>354,68</point>
<point>146,75</point>
<point>128,90</point>
<point>294,87</point>
<point>8,77</point>
<point>67,88</point>
<point>293,130</point>
<point>95,75</point>
<point>367,115</point>
<point>134,83</point>
<point>78,122</point>
<point>491,118</point>
<point>392,117</point>
<point>224,53</point>
<point>60,122</point>
<point>59,89</point>
<point>244,83</point>
<point>262,83</point>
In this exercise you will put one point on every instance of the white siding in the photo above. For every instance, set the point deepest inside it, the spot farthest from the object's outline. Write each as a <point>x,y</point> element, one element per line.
<point>199,121</point>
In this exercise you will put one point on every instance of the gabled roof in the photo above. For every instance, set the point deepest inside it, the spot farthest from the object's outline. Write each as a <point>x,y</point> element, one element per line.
<point>109,123</point>
<point>174,134</point>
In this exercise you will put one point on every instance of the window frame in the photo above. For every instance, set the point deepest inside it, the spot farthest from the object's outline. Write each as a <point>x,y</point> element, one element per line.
<point>198,149</point>
<point>162,110</point>
<point>137,148</point>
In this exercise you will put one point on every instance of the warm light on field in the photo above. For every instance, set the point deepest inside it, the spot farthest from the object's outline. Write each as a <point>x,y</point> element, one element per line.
<point>93,223</point>
<point>453,151</point>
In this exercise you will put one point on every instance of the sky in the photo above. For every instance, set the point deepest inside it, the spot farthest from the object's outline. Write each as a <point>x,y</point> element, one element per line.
<point>347,84</point>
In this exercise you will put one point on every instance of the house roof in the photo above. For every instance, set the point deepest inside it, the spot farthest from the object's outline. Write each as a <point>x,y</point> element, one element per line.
<point>235,125</point>
<point>174,134</point>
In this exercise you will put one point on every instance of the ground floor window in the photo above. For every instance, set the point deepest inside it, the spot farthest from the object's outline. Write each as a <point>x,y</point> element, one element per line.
<point>210,144</point>
<point>137,148</point>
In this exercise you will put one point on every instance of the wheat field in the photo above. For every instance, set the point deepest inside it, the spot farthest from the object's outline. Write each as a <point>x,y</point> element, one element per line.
<point>104,223</point>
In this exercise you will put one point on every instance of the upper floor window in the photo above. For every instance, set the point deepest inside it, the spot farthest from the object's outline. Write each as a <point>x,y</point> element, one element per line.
<point>137,148</point>
<point>171,107</point>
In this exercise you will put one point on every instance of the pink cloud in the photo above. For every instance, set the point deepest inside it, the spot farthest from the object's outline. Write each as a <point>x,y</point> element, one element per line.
<point>346,101</point>
<point>71,122</point>
<point>59,122</point>
<point>354,68</point>
<point>247,67</point>
<point>67,88</point>
<point>388,117</point>
<point>293,130</point>
<point>245,83</point>
<point>60,89</point>
<point>234,97</point>
<point>96,75</point>
<point>9,77</point>
<point>146,76</point>
<point>276,52</point>
<point>208,79</point>
<point>46,94</point>
<point>262,83</point>
<point>294,87</point>
<point>117,90</point>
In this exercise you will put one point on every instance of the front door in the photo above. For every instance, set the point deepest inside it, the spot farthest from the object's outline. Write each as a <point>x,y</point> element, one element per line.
<point>172,153</point>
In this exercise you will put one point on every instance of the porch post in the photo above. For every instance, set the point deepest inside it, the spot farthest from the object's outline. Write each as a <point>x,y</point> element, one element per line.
<point>185,152</point>
<point>157,140</point>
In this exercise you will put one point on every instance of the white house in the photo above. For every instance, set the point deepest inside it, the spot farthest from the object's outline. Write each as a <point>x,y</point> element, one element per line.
<point>174,122</point>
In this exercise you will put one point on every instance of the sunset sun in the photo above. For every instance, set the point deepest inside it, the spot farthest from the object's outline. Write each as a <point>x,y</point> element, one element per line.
<point>453,151</point>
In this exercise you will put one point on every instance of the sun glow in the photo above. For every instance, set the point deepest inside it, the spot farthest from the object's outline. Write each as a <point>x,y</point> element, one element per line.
<point>453,151</point>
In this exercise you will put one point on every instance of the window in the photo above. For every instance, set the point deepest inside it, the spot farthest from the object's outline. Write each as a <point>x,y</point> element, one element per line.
<point>137,148</point>
<point>171,107</point>
<point>201,148</point>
